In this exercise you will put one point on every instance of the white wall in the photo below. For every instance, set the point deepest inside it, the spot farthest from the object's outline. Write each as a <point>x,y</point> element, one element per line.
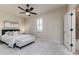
<point>9,17</point>
<point>52,25</point>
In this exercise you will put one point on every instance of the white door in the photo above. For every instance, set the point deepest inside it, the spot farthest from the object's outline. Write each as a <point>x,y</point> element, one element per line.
<point>69,30</point>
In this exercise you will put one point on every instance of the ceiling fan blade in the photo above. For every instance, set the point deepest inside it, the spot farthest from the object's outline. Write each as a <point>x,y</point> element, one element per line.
<point>31,9</point>
<point>27,5</point>
<point>21,8</point>
<point>22,12</point>
<point>33,13</point>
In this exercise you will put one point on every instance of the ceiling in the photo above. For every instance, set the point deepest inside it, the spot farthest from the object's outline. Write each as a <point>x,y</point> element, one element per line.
<point>38,8</point>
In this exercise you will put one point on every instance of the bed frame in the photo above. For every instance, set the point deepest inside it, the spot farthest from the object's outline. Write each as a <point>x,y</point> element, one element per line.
<point>12,30</point>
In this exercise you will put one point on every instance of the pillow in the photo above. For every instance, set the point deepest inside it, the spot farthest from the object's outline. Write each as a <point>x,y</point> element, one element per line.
<point>9,33</point>
<point>16,33</point>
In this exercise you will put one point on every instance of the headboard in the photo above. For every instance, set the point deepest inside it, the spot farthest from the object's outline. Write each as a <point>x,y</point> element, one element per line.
<point>5,30</point>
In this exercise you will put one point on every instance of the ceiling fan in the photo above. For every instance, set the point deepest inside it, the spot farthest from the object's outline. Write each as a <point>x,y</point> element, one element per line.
<point>28,10</point>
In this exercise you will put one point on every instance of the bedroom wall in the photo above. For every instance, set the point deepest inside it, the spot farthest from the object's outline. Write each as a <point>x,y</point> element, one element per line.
<point>10,17</point>
<point>52,25</point>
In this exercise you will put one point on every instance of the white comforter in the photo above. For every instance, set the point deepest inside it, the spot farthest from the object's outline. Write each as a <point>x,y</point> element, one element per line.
<point>11,40</point>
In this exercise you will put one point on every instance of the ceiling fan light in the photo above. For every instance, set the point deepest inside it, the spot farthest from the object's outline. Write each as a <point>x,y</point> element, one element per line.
<point>27,13</point>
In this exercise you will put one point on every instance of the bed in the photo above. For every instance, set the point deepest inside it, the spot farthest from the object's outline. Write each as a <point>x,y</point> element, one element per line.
<point>16,40</point>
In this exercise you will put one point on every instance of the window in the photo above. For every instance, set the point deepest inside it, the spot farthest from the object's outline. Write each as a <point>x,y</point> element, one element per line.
<point>40,25</point>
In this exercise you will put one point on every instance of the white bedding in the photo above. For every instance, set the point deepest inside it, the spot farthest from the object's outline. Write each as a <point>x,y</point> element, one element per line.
<point>18,39</point>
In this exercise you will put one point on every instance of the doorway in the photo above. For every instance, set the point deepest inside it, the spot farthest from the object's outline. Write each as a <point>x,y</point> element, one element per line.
<point>77,30</point>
